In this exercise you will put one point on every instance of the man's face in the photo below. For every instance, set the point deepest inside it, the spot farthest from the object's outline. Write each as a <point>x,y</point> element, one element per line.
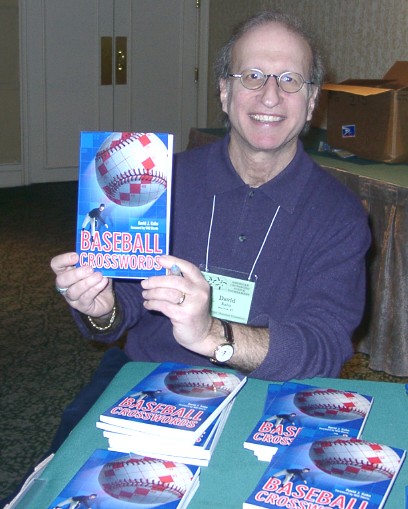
<point>268,119</point>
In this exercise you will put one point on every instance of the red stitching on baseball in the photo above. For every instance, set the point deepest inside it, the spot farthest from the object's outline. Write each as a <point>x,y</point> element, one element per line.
<point>335,407</point>
<point>350,462</point>
<point>127,177</point>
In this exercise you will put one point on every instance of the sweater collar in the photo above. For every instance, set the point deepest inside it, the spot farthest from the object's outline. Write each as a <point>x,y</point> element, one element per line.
<point>285,189</point>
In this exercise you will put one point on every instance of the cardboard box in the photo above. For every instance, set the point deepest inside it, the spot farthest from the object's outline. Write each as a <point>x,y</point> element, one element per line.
<point>369,118</point>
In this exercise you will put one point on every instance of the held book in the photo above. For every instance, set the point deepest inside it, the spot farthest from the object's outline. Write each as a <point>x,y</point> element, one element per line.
<point>175,401</point>
<point>300,409</point>
<point>113,480</point>
<point>328,472</point>
<point>124,196</point>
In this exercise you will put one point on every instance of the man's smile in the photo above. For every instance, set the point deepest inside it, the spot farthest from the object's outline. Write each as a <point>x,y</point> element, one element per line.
<point>266,118</point>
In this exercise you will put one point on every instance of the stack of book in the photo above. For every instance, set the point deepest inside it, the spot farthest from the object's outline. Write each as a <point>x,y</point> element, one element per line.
<point>341,472</point>
<point>159,434</point>
<point>198,453</point>
<point>311,437</point>
<point>295,409</point>
<point>176,413</point>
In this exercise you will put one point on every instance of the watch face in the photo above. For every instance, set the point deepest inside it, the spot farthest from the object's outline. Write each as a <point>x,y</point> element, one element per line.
<point>224,352</point>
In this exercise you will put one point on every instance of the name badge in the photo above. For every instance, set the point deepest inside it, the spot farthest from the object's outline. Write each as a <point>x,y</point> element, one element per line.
<point>231,294</point>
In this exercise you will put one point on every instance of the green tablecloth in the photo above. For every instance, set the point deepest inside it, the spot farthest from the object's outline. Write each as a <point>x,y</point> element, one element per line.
<point>396,174</point>
<point>233,471</point>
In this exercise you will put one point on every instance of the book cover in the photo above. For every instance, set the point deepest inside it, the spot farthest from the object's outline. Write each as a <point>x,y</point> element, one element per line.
<point>113,480</point>
<point>175,400</point>
<point>124,193</point>
<point>308,410</point>
<point>340,472</point>
<point>138,442</point>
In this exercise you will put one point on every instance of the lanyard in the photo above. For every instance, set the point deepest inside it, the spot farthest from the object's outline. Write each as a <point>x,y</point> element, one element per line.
<point>207,255</point>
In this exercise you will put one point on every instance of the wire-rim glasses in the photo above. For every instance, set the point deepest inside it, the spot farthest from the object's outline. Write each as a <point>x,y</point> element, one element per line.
<point>253,79</point>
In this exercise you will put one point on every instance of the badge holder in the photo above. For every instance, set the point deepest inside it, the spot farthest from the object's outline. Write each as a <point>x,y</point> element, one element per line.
<point>231,293</point>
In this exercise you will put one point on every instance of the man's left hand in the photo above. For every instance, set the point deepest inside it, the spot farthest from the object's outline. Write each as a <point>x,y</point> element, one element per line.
<point>185,300</point>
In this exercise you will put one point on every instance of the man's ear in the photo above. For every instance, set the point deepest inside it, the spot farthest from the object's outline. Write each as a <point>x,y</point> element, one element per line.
<point>312,102</point>
<point>224,91</point>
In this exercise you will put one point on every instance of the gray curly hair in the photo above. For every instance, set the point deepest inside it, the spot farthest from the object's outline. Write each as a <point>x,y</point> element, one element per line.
<point>223,61</point>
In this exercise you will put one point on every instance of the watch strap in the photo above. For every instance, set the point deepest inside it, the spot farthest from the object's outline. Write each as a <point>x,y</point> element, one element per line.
<point>229,339</point>
<point>227,331</point>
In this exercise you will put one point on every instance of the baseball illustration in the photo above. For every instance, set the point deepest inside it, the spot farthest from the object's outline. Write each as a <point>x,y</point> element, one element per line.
<point>143,480</point>
<point>354,460</point>
<point>332,404</point>
<point>131,168</point>
<point>201,383</point>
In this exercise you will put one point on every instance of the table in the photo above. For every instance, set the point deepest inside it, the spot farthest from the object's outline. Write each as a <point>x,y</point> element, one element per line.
<point>233,471</point>
<point>383,189</point>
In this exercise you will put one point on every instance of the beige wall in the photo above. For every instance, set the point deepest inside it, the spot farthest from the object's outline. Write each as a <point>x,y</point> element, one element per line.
<point>358,38</point>
<point>9,83</point>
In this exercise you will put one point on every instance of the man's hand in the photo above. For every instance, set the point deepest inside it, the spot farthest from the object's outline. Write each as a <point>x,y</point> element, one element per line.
<point>185,301</point>
<point>193,326</point>
<point>86,290</point>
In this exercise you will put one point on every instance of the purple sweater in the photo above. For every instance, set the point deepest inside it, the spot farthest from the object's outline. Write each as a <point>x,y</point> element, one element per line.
<point>310,288</point>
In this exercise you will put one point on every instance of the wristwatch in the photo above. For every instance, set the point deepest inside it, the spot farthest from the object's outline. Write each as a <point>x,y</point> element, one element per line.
<point>225,351</point>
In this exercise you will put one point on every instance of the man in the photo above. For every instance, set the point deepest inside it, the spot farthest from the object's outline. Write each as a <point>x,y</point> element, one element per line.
<point>255,208</point>
<point>293,475</point>
<point>92,219</point>
<point>78,502</point>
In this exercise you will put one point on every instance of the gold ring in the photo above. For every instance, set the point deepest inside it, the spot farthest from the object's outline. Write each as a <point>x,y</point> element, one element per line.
<point>183,296</point>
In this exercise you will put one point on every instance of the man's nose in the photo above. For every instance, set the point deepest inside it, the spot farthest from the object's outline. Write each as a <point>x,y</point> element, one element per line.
<point>271,93</point>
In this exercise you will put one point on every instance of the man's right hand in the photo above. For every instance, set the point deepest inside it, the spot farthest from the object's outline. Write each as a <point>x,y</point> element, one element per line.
<point>87,291</point>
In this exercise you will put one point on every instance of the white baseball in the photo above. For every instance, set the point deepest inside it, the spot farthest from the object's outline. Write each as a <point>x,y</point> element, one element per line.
<point>332,404</point>
<point>132,168</point>
<point>201,383</point>
<point>353,459</point>
<point>143,480</point>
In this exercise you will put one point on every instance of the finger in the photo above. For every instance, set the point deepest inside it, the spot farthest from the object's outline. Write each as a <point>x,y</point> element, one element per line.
<point>187,269</point>
<point>88,301</point>
<point>172,310</point>
<point>90,304</point>
<point>72,275</point>
<point>169,295</point>
<point>165,282</point>
<point>61,263</point>
<point>86,289</point>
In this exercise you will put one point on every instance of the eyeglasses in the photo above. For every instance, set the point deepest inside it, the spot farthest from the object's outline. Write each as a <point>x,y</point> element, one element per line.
<point>253,79</point>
